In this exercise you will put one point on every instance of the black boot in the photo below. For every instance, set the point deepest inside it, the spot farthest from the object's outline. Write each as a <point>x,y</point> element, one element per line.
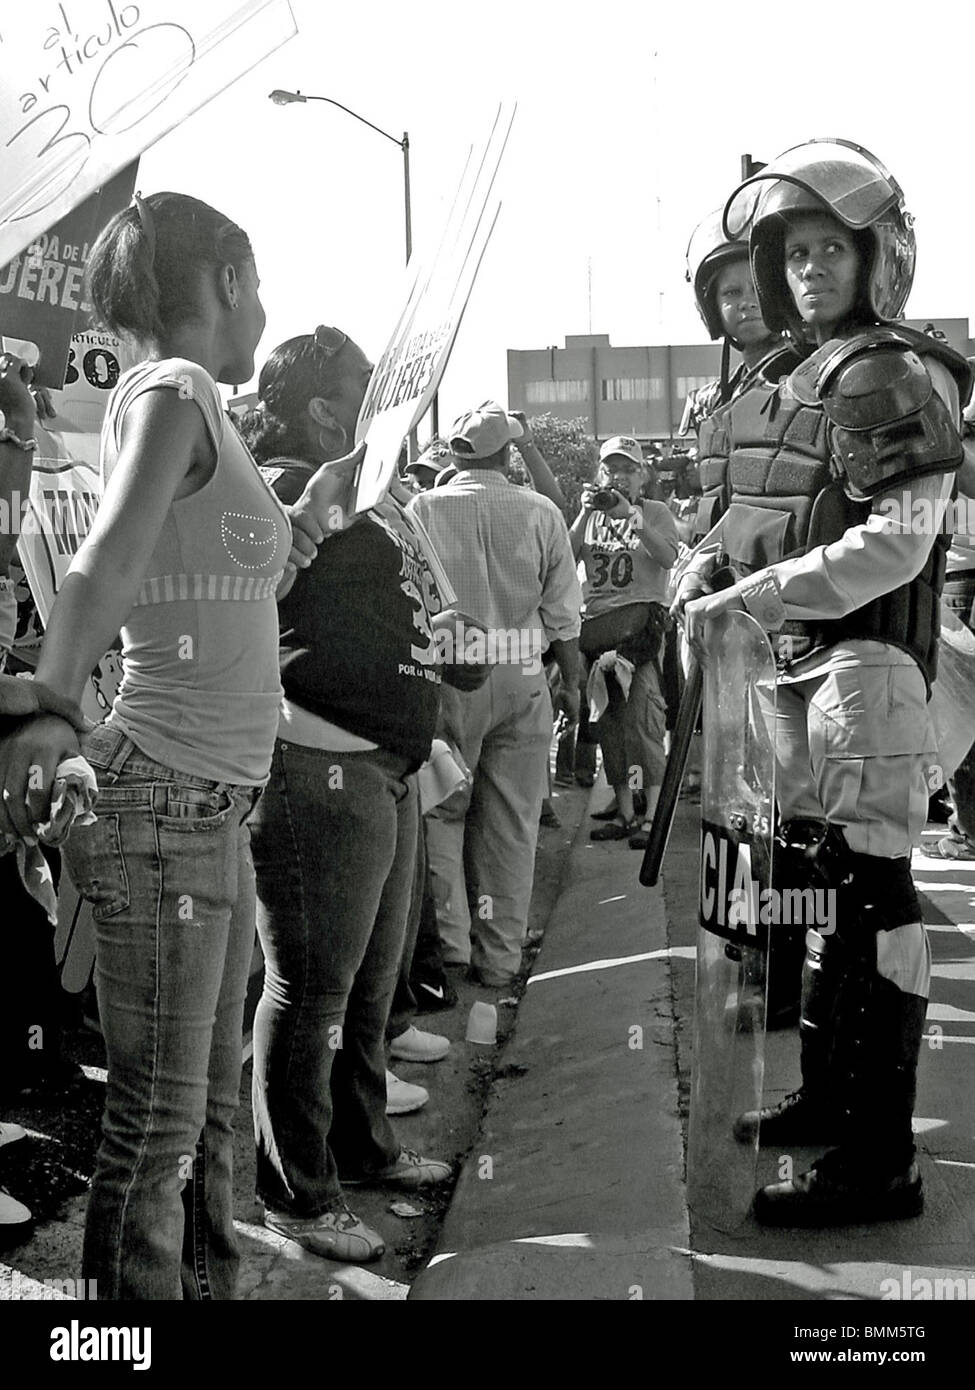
<point>807,1116</point>
<point>872,1176</point>
<point>831,1194</point>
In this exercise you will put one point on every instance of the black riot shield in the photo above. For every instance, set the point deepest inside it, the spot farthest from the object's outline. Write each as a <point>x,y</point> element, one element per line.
<point>737,812</point>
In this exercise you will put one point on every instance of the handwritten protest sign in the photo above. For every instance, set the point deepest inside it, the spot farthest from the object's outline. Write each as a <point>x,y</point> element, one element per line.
<point>86,87</point>
<point>41,297</point>
<point>409,371</point>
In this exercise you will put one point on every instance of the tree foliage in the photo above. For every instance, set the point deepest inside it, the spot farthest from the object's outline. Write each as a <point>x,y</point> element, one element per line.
<point>569,451</point>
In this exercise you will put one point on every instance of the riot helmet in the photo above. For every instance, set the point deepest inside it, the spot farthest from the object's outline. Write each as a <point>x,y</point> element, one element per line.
<point>708,252</point>
<point>842,179</point>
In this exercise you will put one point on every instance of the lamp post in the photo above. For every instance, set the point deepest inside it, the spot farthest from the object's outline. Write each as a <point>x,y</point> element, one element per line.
<point>281,98</point>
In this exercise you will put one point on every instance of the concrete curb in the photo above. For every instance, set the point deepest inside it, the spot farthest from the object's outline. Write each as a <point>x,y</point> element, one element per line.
<point>575,1188</point>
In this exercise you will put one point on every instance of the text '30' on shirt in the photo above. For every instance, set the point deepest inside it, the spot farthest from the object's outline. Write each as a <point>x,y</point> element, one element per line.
<point>357,646</point>
<point>506,552</point>
<point>619,568</point>
<point>201,689</point>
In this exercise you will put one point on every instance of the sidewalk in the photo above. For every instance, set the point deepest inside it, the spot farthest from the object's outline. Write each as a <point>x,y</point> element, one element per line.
<point>574,1189</point>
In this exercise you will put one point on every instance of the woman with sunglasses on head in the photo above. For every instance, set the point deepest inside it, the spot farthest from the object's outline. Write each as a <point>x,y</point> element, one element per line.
<point>335,835</point>
<point>184,556</point>
<point>825,478</point>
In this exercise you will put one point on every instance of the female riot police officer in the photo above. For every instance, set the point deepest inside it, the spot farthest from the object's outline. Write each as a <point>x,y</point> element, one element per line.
<point>824,480</point>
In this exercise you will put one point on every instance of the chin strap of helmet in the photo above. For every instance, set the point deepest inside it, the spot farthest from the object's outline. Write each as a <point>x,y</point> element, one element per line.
<point>725,391</point>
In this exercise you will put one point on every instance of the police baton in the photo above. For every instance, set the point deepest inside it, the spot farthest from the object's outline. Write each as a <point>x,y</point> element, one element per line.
<point>680,744</point>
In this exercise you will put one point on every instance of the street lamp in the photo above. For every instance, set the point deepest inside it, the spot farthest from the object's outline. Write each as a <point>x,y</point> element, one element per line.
<point>281,98</point>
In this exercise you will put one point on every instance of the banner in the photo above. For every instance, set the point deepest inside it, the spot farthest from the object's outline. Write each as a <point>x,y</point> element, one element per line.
<point>65,490</point>
<point>41,288</point>
<point>409,371</point>
<point>86,87</point>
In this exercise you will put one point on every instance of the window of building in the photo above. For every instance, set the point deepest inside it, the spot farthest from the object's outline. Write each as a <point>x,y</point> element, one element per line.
<point>633,388</point>
<point>555,392</point>
<point>687,384</point>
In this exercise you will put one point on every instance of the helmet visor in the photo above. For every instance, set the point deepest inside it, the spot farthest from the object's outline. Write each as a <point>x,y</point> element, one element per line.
<point>848,180</point>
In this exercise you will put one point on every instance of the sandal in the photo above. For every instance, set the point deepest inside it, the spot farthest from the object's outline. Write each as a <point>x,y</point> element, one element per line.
<point>641,838</point>
<point>950,847</point>
<point>615,830</point>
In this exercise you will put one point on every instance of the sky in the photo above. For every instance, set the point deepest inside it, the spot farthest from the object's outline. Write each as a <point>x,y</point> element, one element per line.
<point>632,119</point>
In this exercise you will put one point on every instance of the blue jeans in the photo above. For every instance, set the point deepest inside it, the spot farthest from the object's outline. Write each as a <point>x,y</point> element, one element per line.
<point>335,853</point>
<point>167,870</point>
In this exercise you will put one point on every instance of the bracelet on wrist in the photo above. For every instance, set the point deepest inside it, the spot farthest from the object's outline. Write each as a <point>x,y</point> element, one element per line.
<point>7,436</point>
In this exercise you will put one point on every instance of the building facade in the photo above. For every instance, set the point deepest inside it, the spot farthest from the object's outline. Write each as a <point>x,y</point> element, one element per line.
<point>635,390</point>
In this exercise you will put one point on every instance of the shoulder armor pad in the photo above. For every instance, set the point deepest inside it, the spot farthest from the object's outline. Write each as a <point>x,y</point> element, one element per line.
<point>873,379</point>
<point>926,346</point>
<point>803,381</point>
<point>889,423</point>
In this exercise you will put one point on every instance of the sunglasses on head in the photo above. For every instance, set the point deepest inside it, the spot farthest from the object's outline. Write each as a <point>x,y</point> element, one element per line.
<point>329,341</point>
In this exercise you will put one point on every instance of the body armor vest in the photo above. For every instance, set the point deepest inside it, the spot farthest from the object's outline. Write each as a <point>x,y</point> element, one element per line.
<point>712,440</point>
<point>785,497</point>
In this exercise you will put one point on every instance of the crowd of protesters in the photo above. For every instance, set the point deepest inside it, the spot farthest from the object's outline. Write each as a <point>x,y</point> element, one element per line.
<point>338,725</point>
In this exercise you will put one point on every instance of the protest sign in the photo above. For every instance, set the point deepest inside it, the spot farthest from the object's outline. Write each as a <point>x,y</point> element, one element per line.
<point>41,299</point>
<point>86,87</point>
<point>409,371</point>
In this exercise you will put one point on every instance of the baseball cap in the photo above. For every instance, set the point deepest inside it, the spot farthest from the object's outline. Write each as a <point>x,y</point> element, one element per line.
<point>483,431</point>
<point>436,457</point>
<point>625,445</point>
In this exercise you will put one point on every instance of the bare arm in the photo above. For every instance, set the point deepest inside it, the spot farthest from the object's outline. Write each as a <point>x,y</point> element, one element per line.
<point>163,443</point>
<point>658,534</point>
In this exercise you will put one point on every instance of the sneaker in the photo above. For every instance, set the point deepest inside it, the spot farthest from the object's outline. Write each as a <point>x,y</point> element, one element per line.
<point>431,997</point>
<point>416,1046</point>
<point>795,1120</point>
<point>10,1133</point>
<point>408,1172</point>
<point>337,1234</point>
<point>828,1195</point>
<point>402,1098</point>
<point>610,813</point>
<point>16,1221</point>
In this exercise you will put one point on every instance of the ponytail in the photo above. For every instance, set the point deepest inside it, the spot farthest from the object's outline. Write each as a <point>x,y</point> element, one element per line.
<point>144,271</point>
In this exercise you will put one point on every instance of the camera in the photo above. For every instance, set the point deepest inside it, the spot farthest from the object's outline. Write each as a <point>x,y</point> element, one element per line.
<point>605,499</point>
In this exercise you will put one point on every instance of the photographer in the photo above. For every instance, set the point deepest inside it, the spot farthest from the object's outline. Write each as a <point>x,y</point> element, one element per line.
<point>628,546</point>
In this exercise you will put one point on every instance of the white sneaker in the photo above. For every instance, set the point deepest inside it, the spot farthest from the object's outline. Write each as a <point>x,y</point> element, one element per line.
<point>402,1098</point>
<point>335,1235</point>
<point>416,1046</point>
<point>10,1133</point>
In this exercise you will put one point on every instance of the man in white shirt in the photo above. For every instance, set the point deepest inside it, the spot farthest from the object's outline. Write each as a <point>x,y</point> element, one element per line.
<point>506,552</point>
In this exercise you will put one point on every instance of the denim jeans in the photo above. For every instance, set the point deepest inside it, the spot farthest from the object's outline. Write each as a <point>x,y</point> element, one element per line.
<point>167,869</point>
<point>335,854</point>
